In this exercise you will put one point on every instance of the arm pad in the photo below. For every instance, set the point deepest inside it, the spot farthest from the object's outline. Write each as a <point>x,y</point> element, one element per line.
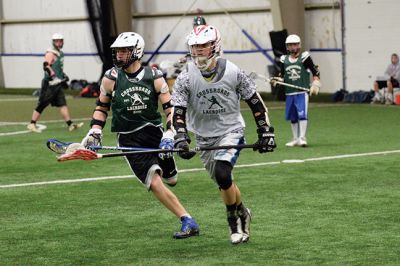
<point>256,105</point>
<point>45,67</point>
<point>102,104</point>
<point>97,122</point>
<point>179,114</point>
<point>167,105</point>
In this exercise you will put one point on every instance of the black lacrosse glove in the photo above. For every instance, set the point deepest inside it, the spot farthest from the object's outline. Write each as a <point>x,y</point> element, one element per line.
<point>182,141</point>
<point>66,78</point>
<point>266,140</point>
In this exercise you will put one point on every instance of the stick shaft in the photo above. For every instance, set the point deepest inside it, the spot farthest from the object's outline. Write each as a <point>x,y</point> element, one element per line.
<point>224,147</point>
<point>116,154</point>
<point>119,148</point>
<point>83,154</point>
<point>277,82</point>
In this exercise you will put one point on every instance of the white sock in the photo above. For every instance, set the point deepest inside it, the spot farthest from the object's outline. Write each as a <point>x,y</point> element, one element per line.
<point>295,130</point>
<point>186,215</point>
<point>303,128</point>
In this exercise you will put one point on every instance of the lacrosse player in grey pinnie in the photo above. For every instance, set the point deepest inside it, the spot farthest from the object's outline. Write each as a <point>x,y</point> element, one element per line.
<point>211,79</point>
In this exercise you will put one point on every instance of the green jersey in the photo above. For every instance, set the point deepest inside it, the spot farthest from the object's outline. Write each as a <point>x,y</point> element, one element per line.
<point>295,72</point>
<point>58,65</point>
<point>134,101</point>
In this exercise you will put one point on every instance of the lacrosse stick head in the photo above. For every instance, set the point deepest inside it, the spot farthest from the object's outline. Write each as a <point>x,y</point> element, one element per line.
<point>79,154</point>
<point>57,146</point>
<point>253,75</point>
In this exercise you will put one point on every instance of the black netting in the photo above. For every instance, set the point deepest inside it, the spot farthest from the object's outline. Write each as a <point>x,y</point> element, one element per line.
<point>102,20</point>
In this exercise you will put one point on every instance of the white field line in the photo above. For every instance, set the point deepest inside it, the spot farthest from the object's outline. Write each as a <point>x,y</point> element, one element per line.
<point>26,99</point>
<point>85,119</point>
<point>4,123</point>
<point>40,126</point>
<point>68,181</point>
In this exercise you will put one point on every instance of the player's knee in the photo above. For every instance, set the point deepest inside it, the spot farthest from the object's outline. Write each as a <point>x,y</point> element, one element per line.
<point>40,108</point>
<point>223,174</point>
<point>171,181</point>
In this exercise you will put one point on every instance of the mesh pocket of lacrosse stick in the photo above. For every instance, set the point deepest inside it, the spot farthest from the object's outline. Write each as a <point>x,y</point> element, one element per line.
<point>78,155</point>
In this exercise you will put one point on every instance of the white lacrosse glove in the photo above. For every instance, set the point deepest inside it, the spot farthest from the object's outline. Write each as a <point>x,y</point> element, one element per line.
<point>274,81</point>
<point>315,86</point>
<point>55,81</point>
<point>93,138</point>
<point>167,143</point>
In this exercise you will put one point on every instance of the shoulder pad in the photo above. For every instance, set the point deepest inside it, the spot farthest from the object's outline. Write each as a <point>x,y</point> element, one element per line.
<point>282,58</point>
<point>53,51</point>
<point>157,73</point>
<point>112,74</point>
<point>305,55</point>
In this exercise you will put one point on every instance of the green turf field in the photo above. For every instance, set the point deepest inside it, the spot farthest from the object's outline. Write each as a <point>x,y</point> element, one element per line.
<point>332,209</point>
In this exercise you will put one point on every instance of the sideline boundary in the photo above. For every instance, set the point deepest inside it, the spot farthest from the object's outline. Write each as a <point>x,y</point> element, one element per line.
<point>40,126</point>
<point>69,181</point>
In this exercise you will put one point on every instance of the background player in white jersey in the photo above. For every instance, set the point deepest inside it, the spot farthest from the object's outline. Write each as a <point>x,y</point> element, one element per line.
<point>206,101</point>
<point>295,68</point>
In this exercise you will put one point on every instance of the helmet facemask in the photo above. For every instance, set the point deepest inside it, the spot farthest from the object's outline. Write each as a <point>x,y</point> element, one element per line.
<point>293,48</point>
<point>131,43</point>
<point>127,61</point>
<point>203,54</point>
<point>58,44</point>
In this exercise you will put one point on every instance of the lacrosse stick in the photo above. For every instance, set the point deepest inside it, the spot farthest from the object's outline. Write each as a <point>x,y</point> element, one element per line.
<point>61,147</point>
<point>254,75</point>
<point>96,148</point>
<point>83,154</point>
<point>166,64</point>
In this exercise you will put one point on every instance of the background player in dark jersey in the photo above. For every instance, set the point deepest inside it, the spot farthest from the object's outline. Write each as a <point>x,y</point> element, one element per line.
<point>53,83</point>
<point>295,68</point>
<point>132,92</point>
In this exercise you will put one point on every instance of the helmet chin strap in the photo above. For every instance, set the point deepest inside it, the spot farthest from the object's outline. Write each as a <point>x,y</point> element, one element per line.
<point>202,62</point>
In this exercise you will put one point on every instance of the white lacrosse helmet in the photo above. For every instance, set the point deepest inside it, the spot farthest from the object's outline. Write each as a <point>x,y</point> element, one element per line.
<point>293,39</point>
<point>130,40</point>
<point>57,36</point>
<point>201,35</point>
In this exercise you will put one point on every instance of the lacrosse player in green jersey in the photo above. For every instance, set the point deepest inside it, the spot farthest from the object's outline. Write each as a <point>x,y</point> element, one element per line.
<point>295,68</point>
<point>206,99</point>
<point>53,83</point>
<point>132,92</point>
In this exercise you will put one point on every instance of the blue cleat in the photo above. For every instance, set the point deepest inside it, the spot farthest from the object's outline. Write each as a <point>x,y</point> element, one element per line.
<point>189,228</point>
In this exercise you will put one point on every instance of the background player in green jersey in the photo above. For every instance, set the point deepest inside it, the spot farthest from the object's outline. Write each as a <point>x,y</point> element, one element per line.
<point>53,83</point>
<point>295,68</point>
